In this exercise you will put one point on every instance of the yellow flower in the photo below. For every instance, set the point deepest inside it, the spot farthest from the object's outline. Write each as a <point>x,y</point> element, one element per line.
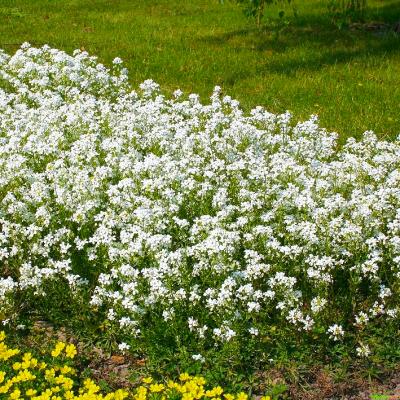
<point>2,336</point>
<point>16,366</point>
<point>120,394</point>
<point>148,380</point>
<point>25,365</point>
<point>2,376</point>
<point>242,396</point>
<point>266,398</point>
<point>5,388</point>
<point>141,393</point>
<point>187,396</point>
<point>55,389</point>
<point>31,392</point>
<point>28,361</point>
<point>173,385</point>
<point>201,393</point>
<point>42,365</point>
<point>70,351</point>
<point>46,395</point>
<point>229,396</point>
<point>25,375</point>
<point>6,353</point>
<point>33,363</point>
<point>156,388</point>
<point>68,385</point>
<point>184,377</point>
<point>69,395</point>
<point>199,380</point>
<point>58,349</point>
<point>16,394</point>
<point>66,369</point>
<point>49,374</point>
<point>217,391</point>
<point>90,386</point>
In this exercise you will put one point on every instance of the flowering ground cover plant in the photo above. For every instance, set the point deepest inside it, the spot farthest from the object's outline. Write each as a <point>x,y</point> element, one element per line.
<point>23,376</point>
<point>191,228</point>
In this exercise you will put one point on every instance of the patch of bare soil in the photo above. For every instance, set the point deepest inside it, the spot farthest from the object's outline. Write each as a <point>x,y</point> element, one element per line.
<point>323,387</point>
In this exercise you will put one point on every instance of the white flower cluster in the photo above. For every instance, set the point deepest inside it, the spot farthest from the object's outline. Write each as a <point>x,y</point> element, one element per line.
<point>197,216</point>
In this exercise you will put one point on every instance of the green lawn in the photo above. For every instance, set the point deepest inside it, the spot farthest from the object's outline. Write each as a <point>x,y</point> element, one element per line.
<point>350,78</point>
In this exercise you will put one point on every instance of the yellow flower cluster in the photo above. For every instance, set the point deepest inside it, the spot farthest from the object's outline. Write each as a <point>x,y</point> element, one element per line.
<point>5,352</point>
<point>27,378</point>
<point>188,388</point>
<point>70,350</point>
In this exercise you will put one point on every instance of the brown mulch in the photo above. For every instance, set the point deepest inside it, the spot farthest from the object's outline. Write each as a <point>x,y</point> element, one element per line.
<point>325,388</point>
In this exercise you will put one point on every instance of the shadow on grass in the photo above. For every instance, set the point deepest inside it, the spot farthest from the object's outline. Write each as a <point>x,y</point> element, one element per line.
<point>311,42</point>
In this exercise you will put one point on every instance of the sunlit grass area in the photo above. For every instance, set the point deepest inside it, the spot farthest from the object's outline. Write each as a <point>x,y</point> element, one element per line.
<point>349,77</point>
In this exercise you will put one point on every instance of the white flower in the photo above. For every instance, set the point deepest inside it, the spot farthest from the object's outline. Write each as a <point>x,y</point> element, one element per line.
<point>117,61</point>
<point>178,93</point>
<point>111,314</point>
<point>168,314</point>
<point>363,350</point>
<point>392,313</point>
<point>317,304</point>
<point>124,347</point>
<point>253,331</point>
<point>362,318</point>
<point>336,332</point>
<point>193,324</point>
<point>198,357</point>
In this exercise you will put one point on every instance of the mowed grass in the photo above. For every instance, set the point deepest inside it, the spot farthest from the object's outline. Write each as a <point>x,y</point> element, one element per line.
<point>350,78</point>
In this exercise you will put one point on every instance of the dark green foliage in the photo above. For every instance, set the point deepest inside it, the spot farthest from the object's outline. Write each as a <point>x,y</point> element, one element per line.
<point>256,8</point>
<point>344,11</point>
